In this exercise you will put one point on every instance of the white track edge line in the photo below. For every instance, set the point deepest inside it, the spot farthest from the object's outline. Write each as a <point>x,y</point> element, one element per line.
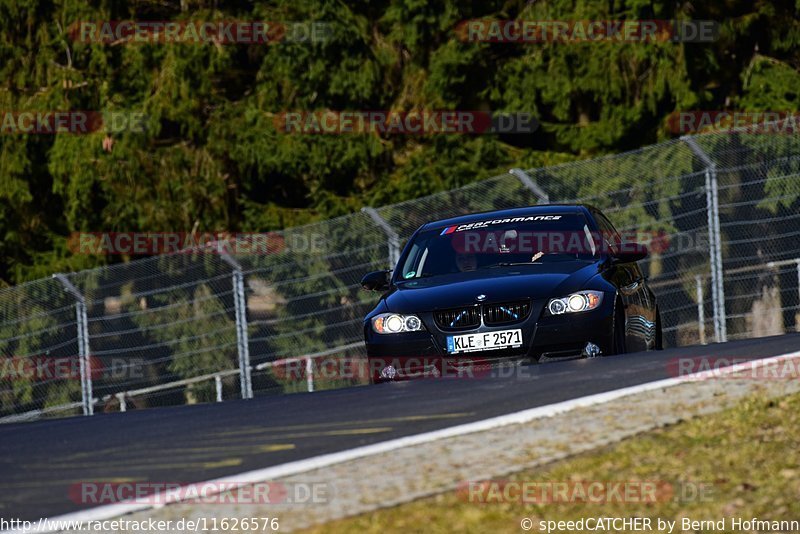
<point>109,511</point>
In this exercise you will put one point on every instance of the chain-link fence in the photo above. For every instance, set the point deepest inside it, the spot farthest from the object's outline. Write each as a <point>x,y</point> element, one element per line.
<point>721,213</point>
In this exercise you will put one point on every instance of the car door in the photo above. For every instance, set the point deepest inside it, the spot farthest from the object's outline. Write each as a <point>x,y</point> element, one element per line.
<point>629,278</point>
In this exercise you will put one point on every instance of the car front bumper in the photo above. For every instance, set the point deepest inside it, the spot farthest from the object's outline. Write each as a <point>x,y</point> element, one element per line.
<point>544,337</point>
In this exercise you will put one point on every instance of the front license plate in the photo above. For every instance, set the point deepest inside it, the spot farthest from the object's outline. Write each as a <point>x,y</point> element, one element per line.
<point>502,339</point>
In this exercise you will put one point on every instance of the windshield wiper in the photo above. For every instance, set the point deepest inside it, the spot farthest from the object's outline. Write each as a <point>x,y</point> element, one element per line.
<point>417,277</point>
<point>514,264</point>
<point>566,256</point>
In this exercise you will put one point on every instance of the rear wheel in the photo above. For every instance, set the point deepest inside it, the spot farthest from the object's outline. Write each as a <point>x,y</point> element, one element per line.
<point>659,332</point>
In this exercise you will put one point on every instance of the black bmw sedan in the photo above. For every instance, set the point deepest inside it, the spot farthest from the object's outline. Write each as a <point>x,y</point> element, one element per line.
<point>539,283</point>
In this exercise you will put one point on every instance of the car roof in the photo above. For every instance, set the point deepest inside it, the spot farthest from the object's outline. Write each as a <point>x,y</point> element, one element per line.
<point>544,209</point>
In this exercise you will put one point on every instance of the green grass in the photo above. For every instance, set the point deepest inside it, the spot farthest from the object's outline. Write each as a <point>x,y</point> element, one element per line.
<point>747,459</point>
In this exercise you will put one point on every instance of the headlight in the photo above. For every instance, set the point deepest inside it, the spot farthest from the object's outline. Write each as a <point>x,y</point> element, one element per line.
<point>575,303</point>
<point>393,323</point>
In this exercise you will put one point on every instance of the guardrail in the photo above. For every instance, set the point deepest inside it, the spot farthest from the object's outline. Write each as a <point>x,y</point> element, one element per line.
<point>123,397</point>
<point>700,281</point>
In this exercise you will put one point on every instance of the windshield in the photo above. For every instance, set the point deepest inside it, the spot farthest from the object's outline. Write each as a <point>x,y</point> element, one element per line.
<point>530,240</point>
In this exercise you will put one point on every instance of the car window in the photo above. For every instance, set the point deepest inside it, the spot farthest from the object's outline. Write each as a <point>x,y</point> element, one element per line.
<point>497,243</point>
<point>610,234</point>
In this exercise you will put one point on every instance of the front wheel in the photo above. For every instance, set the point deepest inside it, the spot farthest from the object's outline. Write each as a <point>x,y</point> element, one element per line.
<point>619,345</point>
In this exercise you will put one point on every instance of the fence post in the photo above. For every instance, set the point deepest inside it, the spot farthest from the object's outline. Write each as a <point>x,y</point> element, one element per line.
<point>798,282</point>
<point>83,343</point>
<point>242,341</point>
<point>123,401</point>
<point>714,240</point>
<point>528,182</point>
<point>723,316</point>
<point>701,310</point>
<point>310,375</point>
<point>393,238</point>
<point>218,385</point>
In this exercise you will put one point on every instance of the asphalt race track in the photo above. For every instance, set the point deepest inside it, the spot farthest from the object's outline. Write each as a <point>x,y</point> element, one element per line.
<point>39,461</point>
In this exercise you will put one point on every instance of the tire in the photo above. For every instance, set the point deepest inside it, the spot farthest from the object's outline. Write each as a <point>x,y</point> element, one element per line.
<point>619,344</point>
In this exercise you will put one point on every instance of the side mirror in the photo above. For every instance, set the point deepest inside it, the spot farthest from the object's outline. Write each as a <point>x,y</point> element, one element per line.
<point>376,281</point>
<point>630,253</point>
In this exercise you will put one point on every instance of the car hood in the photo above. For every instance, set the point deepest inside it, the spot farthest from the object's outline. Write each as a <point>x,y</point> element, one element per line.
<point>502,284</point>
